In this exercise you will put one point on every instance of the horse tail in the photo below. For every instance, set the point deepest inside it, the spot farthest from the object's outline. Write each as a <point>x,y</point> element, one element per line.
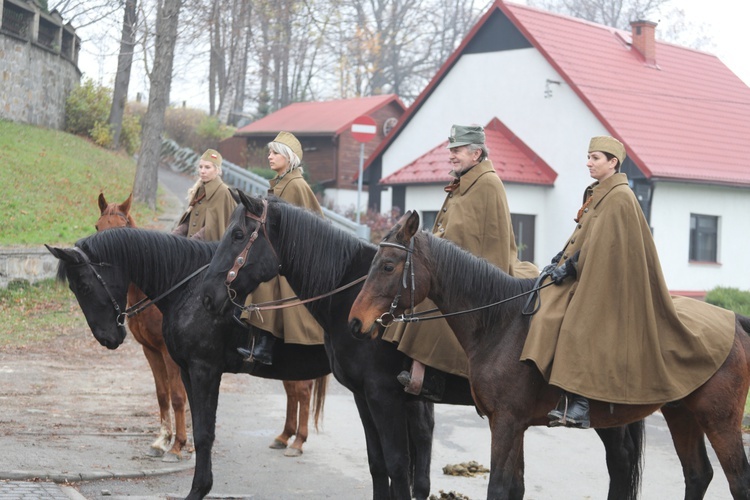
<point>624,446</point>
<point>744,322</point>
<point>319,398</point>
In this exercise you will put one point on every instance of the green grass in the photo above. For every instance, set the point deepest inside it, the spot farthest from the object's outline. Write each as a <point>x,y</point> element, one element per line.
<point>34,313</point>
<point>51,183</point>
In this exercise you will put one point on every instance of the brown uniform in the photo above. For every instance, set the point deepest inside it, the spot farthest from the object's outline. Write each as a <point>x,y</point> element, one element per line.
<point>614,333</point>
<point>293,324</point>
<point>211,207</point>
<point>474,216</point>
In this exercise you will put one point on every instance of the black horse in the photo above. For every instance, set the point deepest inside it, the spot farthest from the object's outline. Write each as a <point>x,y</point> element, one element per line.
<point>99,270</point>
<point>316,258</point>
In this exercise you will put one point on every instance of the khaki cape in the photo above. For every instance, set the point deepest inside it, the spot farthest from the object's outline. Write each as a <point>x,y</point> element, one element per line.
<point>474,216</point>
<point>614,334</point>
<point>293,324</point>
<point>212,212</point>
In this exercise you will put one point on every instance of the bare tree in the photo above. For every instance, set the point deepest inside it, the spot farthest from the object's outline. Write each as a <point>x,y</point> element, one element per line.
<point>146,174</point>
<point>124,65</point>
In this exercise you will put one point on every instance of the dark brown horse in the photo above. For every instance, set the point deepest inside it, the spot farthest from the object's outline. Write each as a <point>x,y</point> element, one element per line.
<point>514,395</point>
<point>146,329</point>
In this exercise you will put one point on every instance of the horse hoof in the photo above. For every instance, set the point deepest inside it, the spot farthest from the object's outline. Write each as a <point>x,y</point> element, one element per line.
<point>155,452</point>
<point>293,452</point>
<point>277,445</point>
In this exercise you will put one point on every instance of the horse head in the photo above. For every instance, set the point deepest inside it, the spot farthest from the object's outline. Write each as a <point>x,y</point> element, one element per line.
<point>100,290</point>
<point>113,214</point>
<point>244,259</point>
<point>397,279</point>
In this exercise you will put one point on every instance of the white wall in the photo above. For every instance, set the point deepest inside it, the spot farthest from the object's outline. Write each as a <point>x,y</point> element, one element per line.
<point>509,85</point>
<point>670,220</point>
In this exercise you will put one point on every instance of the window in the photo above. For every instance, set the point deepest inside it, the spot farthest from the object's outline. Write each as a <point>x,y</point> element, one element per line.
<point>704,230</point>
<point>523,229</point>
<point>428,219</point>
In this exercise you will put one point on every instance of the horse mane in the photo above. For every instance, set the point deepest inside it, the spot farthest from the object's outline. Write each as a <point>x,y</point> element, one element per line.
<point>147,256</point>
<point>322,270</point>
<point>469,274</point>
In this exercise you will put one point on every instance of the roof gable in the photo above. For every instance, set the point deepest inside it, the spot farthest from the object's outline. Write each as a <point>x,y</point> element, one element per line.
<point>682,118</point>
<point>318,118</point>
<point>517,163</point>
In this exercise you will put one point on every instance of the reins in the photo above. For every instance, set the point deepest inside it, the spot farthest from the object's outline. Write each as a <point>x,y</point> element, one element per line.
<point>388,318</point>
<point>240,260</point>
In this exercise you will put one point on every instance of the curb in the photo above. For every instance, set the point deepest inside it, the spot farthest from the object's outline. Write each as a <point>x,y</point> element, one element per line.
<point>72,477</point>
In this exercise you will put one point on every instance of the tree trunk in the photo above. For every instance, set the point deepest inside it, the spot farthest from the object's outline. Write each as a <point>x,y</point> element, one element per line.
<point>147,171</point>
<point>124,65</point>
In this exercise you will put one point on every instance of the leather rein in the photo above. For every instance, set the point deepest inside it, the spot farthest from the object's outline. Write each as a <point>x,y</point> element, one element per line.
<point>241,259</point>
<point>388,318</point>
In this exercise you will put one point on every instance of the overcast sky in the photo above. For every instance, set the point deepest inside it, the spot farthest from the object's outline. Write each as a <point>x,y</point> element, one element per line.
<point>724,20</point>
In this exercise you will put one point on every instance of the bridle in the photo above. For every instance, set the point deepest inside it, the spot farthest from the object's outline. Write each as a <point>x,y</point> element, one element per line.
<point>139,306</point>
<point>388,318</point>
<point>116,214</point>
<point>241,258</point>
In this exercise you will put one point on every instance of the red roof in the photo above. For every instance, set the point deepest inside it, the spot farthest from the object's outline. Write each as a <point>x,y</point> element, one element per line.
<point>685,119</point>
<point>316,118</point>
<point>512,159</point>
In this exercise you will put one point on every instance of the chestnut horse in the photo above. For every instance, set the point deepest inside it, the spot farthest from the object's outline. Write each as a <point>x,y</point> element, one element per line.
<point>146,329</point>
<point>169,268</point>
<point>267,237</point>
<point>514,394</point>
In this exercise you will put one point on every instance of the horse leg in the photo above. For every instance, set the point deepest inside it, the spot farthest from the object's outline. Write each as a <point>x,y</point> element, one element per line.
<point>506,450</point>
<point>420,415</point>
<point>384,485</point>
<point>624,452</point>
<point>179,407</point>
<point>290,421</point>
<point>202,381</point>
<point>687,437</point>
<point>159,372</point>
<point>303,397</point>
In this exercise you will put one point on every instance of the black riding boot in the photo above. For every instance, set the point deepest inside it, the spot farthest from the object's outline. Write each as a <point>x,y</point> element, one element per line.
<point>572,411</point>
<point>432,385</point>
<point>262,349</point>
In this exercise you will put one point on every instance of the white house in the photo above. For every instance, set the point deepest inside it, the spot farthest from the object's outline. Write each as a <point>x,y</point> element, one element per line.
<point>544,84</point>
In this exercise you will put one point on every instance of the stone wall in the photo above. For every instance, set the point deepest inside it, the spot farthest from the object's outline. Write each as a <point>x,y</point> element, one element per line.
<point>34,83</point>
<point>28,264</point>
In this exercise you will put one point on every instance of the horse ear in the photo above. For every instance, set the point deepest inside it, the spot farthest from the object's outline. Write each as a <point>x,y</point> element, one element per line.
<point>412,224</point>
<point>253,205</point>
<point>102,204</point>
<point>67,255</point>
<point>125,207</point>
<point>235,195</point>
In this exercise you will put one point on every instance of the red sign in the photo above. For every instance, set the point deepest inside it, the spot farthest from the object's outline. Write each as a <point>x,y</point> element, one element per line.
<point>364,129</point>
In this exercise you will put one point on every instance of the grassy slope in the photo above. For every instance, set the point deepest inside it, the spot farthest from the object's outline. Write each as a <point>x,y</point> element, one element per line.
<point>51,184</point>
<point>52,181</point>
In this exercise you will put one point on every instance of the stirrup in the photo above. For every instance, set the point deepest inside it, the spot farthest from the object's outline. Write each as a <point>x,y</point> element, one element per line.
<point>412,381</point>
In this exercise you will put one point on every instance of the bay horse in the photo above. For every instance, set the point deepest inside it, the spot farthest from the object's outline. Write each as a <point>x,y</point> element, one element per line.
<point>514,394</point>
<point>146,329</point>
<point>99,271</point>
<point>315,257</point>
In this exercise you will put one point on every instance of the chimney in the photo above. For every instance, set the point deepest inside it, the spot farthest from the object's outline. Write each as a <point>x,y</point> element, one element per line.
<point>644,40</point>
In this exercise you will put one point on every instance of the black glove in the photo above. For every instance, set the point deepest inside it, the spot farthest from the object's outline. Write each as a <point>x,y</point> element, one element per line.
<point>569,268</point>
<point>551,267</point>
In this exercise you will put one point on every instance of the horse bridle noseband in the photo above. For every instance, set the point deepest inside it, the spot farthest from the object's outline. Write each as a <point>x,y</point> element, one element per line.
<point>240,260</point>
<point>388,318</point>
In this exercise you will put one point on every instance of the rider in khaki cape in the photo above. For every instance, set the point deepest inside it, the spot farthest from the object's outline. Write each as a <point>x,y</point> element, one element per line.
<point>613,333</point>
<point>295,325</point>
<point>475,216</point>
<point>211,203</point>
